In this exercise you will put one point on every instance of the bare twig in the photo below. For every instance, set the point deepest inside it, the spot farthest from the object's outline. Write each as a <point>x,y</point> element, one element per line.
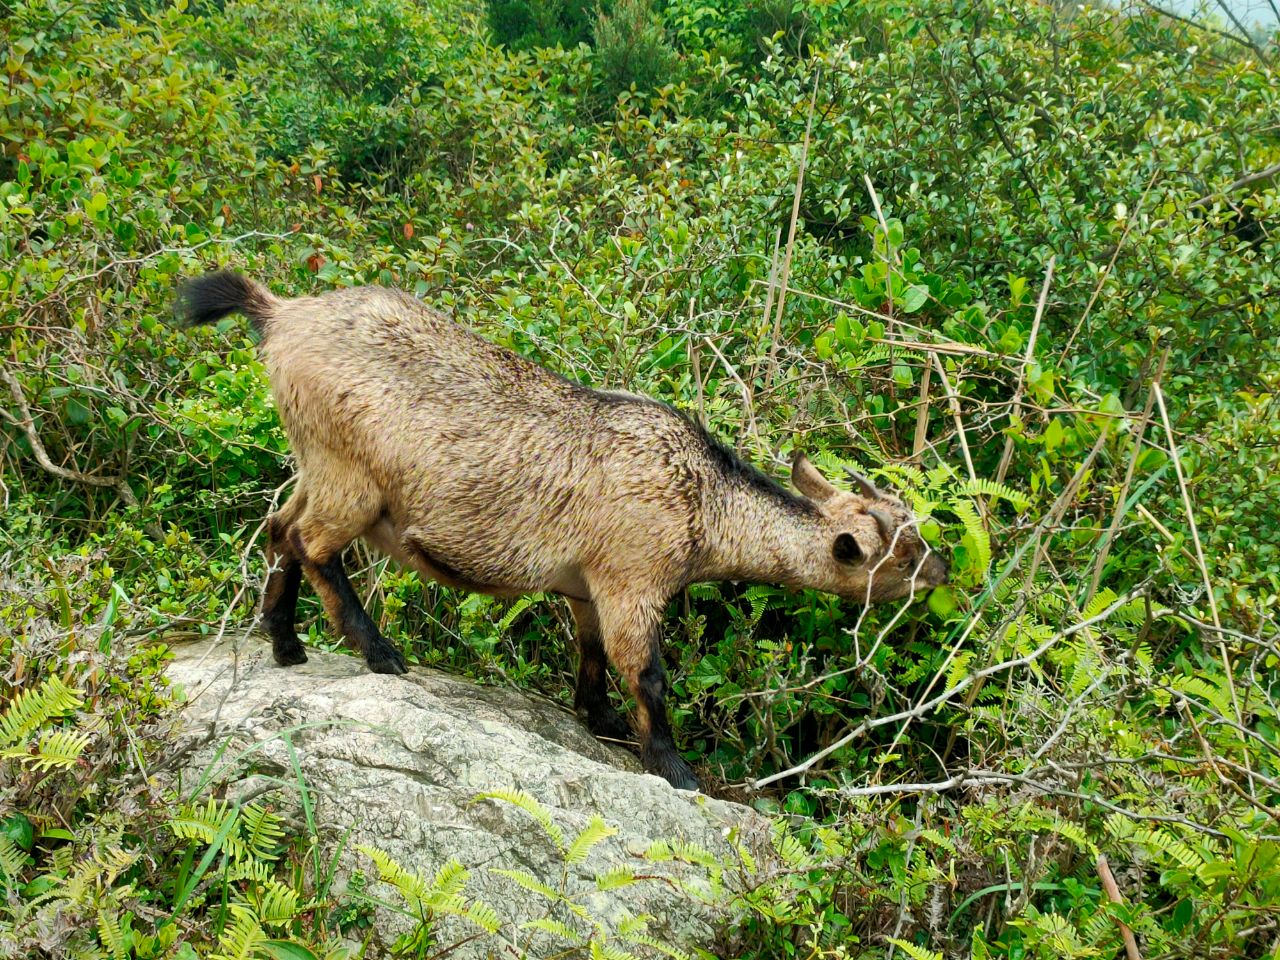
<point>1113,894</point>
<point>953,399</point>
<point>791,234</point>
<point>1118,514</point>
<point>924,707</point>
<point>1007,456</point>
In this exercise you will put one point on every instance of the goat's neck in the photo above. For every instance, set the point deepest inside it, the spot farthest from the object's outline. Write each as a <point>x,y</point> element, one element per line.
<point>753,537</point>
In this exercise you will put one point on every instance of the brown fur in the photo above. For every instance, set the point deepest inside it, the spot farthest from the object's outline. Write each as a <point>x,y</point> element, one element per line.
<point>489,473</point>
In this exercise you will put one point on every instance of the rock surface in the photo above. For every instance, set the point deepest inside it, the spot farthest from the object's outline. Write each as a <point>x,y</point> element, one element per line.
<point>396,763</point>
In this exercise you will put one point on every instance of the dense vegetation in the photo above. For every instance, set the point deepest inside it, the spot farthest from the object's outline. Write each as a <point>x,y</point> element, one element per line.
<point>1017,260</point>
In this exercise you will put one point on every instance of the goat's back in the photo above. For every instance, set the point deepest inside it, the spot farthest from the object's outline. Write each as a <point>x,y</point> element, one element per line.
<point>488,452</point>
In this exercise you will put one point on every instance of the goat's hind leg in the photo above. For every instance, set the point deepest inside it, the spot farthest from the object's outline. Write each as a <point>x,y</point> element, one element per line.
<point>280,593</point>
<point>319,543</point>
<point>591,697</point>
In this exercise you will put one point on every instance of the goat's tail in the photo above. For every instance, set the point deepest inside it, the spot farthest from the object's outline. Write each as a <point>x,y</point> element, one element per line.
<point>211,297</point>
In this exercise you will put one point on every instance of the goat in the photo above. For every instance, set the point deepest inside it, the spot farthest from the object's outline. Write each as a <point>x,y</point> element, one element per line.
<point>489,473</point>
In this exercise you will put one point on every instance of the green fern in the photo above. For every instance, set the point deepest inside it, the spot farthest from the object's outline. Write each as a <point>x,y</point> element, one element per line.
<point>615,878</point>
<point>1164,842</point>
<point>553,927</point>
<point>242,937</point>
<point>975,532</point>
<point>517,608</point>
<point>593,833</point>
<point>442,895</point>
<point>531,806</point>
<point>607,951</point>
<point>58,749</point>
<point>261,832</point>
<point>276,903</point>
<point>32,709</point>
<point>916,953</point>
<point>680,850</point>
<point>111,935</point>
<point>993,490</point>
<point>530,883</point>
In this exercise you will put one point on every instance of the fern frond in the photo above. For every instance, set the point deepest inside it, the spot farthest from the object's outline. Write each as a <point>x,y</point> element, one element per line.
<point>916,953</point>
<point>33,708</point>
<point>517,608</point>
<point>593,833</point>
<point>607,951</point>
<point>1217,695</point>
<point>12,858</point>
<point>531,806</point>
<point>530,883</point>
<point>553,927</point>
<point>664,850</point>
<point>903,475</point>
<point>111,935</point>
<point>1165,842</point>
<point>975,531</point>
<point>276,903</point>
<point>58,748</point>
<point>615,878</point>
<point>241,937</point>
<point>261,832</point>
<point>992,490</point>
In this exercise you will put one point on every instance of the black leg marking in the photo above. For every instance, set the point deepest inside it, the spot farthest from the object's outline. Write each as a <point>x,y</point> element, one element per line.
<point>354,622</point>
<point>280,599</point>
<point>591,698</point>
<point>657,746</point>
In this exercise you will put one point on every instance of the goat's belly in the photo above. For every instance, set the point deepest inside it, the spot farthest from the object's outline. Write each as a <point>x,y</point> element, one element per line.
<point>492,571</point>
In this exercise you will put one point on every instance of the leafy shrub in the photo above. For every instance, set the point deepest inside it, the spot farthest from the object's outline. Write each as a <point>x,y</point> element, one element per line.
<point>527,24</point>
<point>631,48</point>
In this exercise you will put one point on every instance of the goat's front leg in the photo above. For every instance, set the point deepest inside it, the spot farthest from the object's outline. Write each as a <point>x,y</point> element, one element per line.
<point>632,632</point>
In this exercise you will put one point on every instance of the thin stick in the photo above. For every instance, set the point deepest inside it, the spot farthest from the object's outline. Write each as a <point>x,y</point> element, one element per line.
<point>1118,514</point>
<point>697,372</point>
<point>953,400</point>
<point>1113,894</point>
<point>922,415</point>
<point>925,706</point>
<point>1195,539</point>
<point>1030,354</point>
<point>791,234</point>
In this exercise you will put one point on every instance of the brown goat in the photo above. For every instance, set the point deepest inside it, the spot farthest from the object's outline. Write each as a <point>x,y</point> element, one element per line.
<point>489,473</point>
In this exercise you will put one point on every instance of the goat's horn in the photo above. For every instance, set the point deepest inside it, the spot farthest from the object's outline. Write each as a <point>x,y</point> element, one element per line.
<point>884,522</point>
<point>865,486</point>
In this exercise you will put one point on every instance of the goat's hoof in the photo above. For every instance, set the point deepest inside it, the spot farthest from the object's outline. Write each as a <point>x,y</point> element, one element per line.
<point>609,725</point>
<point>387,660</point>
<point>672,769</point>
<point>288,654</point>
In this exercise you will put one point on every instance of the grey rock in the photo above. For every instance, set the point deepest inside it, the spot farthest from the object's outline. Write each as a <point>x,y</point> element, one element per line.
<point>396,763</point>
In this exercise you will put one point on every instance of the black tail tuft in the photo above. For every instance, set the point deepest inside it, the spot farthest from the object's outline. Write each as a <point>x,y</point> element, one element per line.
<point>209,298</point>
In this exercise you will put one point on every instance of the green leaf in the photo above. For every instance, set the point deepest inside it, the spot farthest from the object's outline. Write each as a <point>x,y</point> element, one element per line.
<point>915,297</point>
<point>942,601</point>
<point>286,950</point>
<point>18,829</point>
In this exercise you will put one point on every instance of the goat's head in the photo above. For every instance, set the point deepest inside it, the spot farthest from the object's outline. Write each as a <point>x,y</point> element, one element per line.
<point>870,548</point>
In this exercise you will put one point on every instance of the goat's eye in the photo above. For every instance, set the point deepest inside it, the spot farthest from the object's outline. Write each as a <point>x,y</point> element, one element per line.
<point>846,549</point>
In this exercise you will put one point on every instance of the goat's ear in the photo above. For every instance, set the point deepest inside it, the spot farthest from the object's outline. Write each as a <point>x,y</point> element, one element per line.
<point>846,549</point>
<point>808,480</point>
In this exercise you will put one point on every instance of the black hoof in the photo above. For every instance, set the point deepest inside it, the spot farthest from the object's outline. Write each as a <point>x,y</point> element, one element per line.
<point>608,724</point>
<point>672,769</point>
<point>288,653</point>
<point>386,659</point>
